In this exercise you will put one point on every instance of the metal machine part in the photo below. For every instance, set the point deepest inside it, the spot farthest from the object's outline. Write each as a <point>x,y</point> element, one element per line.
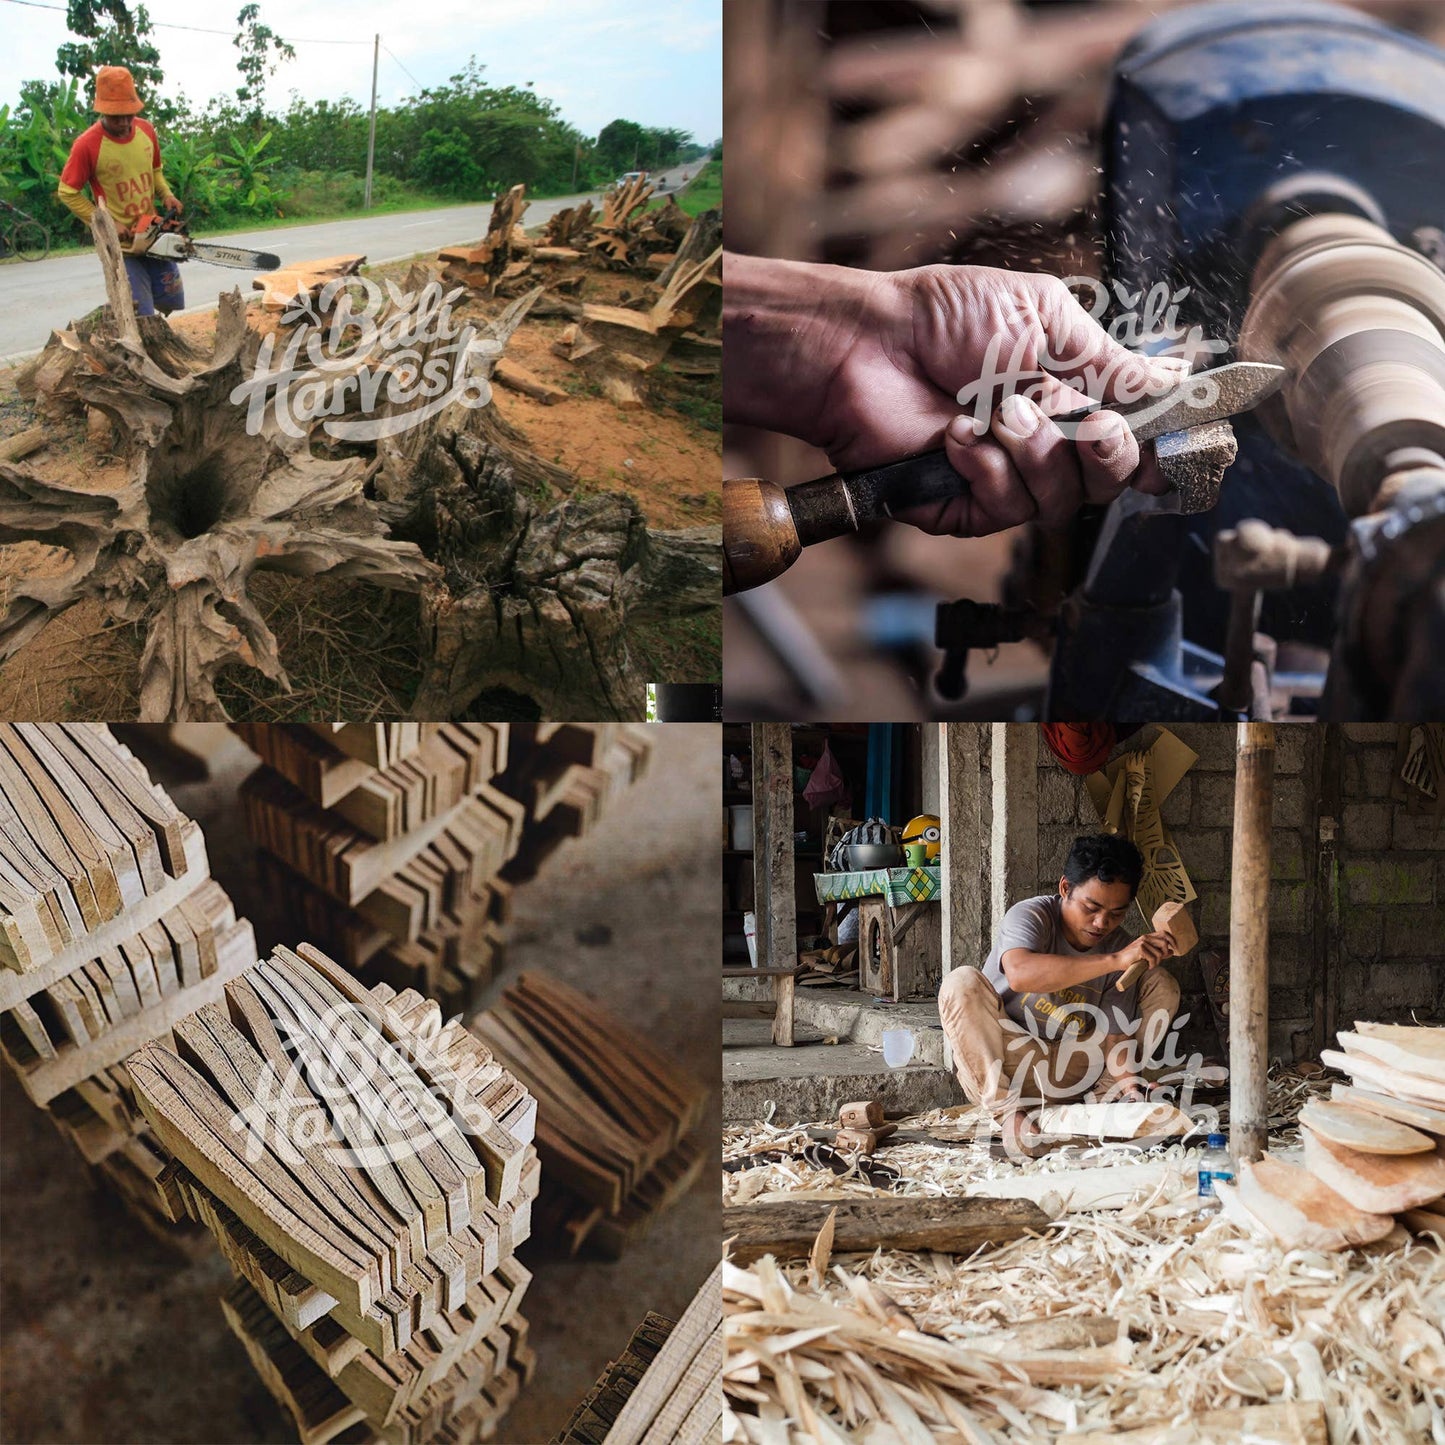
<point>1282,168</point>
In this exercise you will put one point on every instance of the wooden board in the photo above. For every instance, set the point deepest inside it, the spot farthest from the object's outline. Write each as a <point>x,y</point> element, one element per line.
<point>1419,1052</point>
<point>15,987</point>
<point>236,952</point>
<point>1384,1078</point>
<point>1303,1212</point>
<point>788,1230</point>
<point>1377,1183</point>
<point>1425,1117</point>
<point>1361,1129</point>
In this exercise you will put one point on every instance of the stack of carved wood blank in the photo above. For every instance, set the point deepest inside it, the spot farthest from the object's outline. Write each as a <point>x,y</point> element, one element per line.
<point>111,930</point>
<point>565,774</point>
<point>1374,1152</point>
<point>370,1202</point>
<point>619,1120</point>
<point>385,842</point>
<point>665,1387</point>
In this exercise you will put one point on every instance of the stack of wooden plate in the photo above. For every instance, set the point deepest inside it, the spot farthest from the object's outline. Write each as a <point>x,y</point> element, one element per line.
<point>666,1385</point>
<point>111,930</point>
<point>619,1121</point>
<point>1374,1152</point>
<point>368,1173</point>
<point>385,842</point>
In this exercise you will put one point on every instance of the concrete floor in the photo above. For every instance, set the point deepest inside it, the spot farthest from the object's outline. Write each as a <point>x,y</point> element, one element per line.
<point>837,1033</point>
<point>108,1337</point>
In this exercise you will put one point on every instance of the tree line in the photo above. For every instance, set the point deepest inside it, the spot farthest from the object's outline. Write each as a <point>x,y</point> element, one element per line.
<point>238,158</point>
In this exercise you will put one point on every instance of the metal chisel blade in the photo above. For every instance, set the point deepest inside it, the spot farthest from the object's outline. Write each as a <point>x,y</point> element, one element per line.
<point>1213,395</point>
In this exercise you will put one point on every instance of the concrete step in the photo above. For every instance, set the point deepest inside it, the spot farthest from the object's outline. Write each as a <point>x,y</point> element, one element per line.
<point>812,1080</point>
<point>859,1017</point>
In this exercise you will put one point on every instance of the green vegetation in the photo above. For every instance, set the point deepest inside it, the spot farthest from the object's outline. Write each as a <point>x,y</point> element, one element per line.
<point>238,161</point>
<point>704,191</point>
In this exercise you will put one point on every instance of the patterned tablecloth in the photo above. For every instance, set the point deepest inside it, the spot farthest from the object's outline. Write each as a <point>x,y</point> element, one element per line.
<point>897,885</point>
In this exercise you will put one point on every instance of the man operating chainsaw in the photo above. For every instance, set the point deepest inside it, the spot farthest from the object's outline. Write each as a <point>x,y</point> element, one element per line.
<point>119,158</point>
<point>1043,1019</point>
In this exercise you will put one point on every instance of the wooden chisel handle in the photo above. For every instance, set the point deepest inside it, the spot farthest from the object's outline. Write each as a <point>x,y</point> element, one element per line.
<point>765,527</point>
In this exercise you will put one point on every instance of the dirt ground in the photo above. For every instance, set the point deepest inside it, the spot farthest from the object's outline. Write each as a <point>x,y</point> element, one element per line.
<point>83,664</point>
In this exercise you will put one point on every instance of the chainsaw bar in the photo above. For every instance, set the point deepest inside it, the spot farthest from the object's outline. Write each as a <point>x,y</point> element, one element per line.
<point>234,256</point>
<point>169,242</point>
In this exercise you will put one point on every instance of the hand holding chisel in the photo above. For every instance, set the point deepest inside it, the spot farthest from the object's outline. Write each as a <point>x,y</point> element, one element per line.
<point>765,527</point>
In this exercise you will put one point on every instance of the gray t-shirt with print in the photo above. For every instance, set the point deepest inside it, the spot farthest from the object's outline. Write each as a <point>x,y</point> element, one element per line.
<point>1037,924</point>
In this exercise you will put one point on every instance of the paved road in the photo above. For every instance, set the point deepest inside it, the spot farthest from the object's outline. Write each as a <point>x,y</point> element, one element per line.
<point>39,297</point>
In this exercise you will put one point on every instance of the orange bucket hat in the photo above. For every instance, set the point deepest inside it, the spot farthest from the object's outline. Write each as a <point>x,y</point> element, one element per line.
<point>115,91</point>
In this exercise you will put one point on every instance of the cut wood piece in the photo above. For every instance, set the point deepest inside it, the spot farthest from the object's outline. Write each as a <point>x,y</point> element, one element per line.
<point>1113,1121</point>
<point>1381,1184</point>
<point>515,377</point>
<point>1068,1350</point>
<point>1426,1220</point>
<point>1377,1075</point>
<point>1414,1051</point>
<point>1171,918</point>
<point>1296,1423</point>
<point>863,1114</point>
<point>1068,1191</point>
<point>951,1226</point>
<point>17,986</point>
<point>1303,1212</point>
<point>72,1064</point>
<point>1425,1117</point>
<point>1362,1130</point>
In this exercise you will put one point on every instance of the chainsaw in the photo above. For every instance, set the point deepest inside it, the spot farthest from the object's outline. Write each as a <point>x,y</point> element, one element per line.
<point>169,240</point>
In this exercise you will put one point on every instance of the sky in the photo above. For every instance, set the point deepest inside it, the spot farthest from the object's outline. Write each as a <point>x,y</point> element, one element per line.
<point>657,62</point>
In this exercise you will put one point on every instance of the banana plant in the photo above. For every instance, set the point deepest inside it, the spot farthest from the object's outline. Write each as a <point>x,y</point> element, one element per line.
<point>193,172</point>
<point>240,168</point>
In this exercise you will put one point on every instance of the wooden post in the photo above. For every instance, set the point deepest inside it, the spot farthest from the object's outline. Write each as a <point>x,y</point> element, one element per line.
<point>773,846</point>
<point>1014,857</point>
<point>960,857</point>
<point>1249,942</point>
<point>930,739</point>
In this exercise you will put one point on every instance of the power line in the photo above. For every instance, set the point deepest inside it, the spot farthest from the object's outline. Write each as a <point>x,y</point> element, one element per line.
<point>410,76</point>
<point>194,29</point>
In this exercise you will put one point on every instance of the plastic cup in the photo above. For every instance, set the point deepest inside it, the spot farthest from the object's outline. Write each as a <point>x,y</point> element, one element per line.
<point>897,1047</point>
<point>917,854</point>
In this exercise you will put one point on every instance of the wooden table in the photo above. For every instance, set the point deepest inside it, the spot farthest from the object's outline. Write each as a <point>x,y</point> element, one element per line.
<point>894,905</point>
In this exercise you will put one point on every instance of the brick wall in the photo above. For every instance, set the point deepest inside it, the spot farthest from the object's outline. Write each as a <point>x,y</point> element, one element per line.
<point>1389,889</point>
<point>1383,940</point>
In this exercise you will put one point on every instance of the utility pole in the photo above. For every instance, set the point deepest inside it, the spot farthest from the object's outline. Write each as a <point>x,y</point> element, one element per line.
<point>576,156</point>
<point>371,134</point>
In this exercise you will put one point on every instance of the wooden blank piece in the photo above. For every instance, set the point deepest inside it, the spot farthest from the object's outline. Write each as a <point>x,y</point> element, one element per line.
<point>1418,1052</point>
<point>1362,1130</point>
<point>1374,1073</point>
<point>1378,1183</point>
<point>1303,1212</point>
<point>1425,1117</point>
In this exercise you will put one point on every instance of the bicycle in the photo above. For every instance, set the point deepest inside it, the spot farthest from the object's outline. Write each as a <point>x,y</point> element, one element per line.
<point>24,237</point>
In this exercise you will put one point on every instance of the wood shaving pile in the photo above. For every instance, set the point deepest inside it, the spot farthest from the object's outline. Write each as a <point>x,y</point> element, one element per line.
<point>906,1348</point>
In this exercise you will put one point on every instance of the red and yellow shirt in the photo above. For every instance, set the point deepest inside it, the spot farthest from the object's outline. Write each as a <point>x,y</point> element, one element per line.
<point>125,174</point>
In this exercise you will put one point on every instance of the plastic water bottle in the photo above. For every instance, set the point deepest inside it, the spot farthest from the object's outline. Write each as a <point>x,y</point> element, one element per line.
<point>1214,1164</point>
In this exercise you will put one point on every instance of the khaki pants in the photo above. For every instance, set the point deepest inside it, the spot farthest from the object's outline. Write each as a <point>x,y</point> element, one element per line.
<point>994,1057</point>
